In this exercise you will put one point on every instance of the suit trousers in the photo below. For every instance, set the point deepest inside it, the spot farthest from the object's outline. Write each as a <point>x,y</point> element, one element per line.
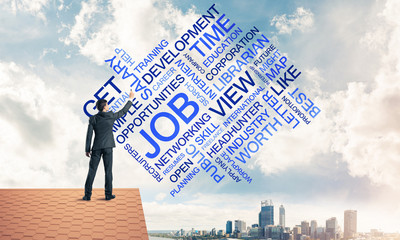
<point>107,154</point>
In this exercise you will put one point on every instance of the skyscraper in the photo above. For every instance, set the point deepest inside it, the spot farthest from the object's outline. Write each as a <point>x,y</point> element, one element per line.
<point>350,223</point>
<point>313,229</point>
<point>228,227</point>
<point>305,228</point>
<point>266,215</point>
<point>213,232</point>
<point>331,228</point>
<point>282,216</point>
<point>240,226</point>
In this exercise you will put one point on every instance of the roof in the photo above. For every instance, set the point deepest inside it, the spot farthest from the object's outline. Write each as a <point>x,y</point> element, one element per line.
<point>62,214</point>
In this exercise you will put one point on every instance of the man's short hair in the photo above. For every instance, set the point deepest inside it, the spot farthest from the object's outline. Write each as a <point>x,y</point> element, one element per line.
<point>100,104</point>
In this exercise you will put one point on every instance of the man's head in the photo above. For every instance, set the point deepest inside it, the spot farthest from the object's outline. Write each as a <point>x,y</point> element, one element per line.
<point>102,105</point>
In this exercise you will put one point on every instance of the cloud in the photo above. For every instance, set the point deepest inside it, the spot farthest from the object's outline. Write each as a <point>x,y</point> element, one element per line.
<point>290,147</point>
<point>135,26</point>
<point>160,196</point>
<point>33,7</point>
<point>47,51</point>
<point>78,33</point>
<point>61,6</point>
<point>359,122</point>
<point>302,20</point>
<point>37,132</point>
<point>41,132</point>
<point>370,132</point>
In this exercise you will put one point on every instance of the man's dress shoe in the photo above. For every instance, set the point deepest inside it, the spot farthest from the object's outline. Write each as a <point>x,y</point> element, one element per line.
<point>86,198</point>
<point>109,197</point>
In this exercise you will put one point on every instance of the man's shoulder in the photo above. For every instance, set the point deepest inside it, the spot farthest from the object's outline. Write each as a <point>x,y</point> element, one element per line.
<point>92,119</point>
<point>100,116</point>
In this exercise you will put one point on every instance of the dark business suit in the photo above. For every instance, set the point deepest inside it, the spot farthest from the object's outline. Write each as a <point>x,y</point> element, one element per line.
<point>102,124</point>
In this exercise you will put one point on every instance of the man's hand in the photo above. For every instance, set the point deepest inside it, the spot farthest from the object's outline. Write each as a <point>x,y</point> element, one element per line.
<point>131,94</point>
<point>87,154</point>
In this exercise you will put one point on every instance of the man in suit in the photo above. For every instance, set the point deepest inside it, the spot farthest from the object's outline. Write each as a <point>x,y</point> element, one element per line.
<point>102,124</point>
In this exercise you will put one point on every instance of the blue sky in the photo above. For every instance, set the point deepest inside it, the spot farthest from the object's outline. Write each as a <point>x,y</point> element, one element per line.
<point>51,62</point>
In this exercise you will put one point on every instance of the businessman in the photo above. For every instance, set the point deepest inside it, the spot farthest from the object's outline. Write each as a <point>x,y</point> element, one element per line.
<point>102,125</point>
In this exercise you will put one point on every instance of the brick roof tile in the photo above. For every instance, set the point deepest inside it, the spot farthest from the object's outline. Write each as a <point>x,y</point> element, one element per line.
<point>61,214</point>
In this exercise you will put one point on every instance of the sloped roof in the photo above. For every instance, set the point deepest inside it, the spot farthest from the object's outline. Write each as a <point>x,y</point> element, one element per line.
<point>62,214</point>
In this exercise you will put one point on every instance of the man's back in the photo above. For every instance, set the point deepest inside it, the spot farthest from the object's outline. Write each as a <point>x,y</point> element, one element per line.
<point>102,125</point>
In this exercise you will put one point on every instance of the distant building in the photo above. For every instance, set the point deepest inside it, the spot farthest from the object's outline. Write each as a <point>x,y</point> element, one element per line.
<point>376,233</point>
<point>331,228</point>
<point>240,226</point>
<point>274,232</point>
<point>313,229</point>
<point>305,228</point>
<point>321,234</point>
<point>228,227</point>
<point>256,232</point>
<point>350,224</point>
<point>221,232</point>
<point>282,216</point>
<point>305,237</point>
<point>296,232</point>
<point>213,232</point>
<point>286,234</point>
<point>266,215</point>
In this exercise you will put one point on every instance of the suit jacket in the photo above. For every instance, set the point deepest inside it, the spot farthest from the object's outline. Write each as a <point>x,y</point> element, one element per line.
<point>102,124</point>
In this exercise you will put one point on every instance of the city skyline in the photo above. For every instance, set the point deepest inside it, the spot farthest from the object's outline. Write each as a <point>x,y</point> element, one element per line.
<point>331,225</point>
<point>332,222</point>
<point>328,230</point>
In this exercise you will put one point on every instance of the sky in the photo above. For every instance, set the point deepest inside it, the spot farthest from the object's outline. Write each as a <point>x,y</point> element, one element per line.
<point>52,61</point>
